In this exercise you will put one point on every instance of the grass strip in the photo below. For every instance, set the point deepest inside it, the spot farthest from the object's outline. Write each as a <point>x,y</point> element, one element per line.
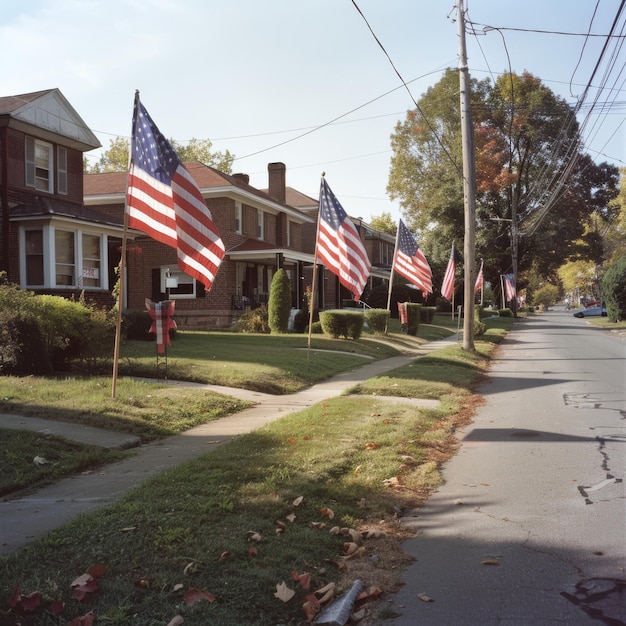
<point>356,461</point>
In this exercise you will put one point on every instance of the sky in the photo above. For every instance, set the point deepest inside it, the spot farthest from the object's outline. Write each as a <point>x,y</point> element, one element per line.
<point>300,81</point>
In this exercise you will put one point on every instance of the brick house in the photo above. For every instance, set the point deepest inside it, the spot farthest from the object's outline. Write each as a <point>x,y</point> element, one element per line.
<point>61,231</point>
<point>261,233</point>
<point>50,243</point>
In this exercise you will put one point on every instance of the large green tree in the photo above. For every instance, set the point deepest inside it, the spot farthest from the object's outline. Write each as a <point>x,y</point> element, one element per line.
<point>526,140</point>
<point>115,159</point>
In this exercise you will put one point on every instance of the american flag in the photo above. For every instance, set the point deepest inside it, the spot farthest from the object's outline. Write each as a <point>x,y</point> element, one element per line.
<point>164,201</point>
<point>509,287</point>
<point>479,279</point>
<point>410,262</point>
<point>339,247</point>
<point>447,288</point>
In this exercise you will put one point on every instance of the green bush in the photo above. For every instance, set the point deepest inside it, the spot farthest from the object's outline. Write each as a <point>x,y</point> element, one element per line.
<point>413,317</point>
<point>546,296</point>
<point>377,320</point>
<point>614,290</point>
<point>23,349</point>
<point>479,328</point>
<point>136,325</point>
<point>316,329</point>
<point>253,321</point>
<point>341,323</point>
<point>301,320</point>
<point>427,314</point>
<point>279,305</point>
<point>505,312</point>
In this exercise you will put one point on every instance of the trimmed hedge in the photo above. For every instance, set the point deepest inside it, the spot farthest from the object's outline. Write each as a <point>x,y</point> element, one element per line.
<point>614,290</point>
<point>377,320</point>
<point>342,323</point>
<point>279,305</point>
<point>427,314</point>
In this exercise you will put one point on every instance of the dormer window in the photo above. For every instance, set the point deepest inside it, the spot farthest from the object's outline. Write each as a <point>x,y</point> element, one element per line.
<point>39,165</point>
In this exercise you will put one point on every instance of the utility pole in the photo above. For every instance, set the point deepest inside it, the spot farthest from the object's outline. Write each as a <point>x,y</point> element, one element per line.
<point>469,187</point>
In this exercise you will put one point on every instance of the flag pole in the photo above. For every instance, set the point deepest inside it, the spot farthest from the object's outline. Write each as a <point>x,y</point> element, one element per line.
<point>122,282</point>
<point>314,279</point>
<point>393,264</point>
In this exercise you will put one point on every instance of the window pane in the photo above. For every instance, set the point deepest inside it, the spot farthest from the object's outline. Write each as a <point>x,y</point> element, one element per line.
<point>34,257</point>
<point>91,261</point>
<point>64,257</point>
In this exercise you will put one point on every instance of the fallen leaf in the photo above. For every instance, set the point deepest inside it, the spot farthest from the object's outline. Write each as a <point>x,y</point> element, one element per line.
<point>85,620</point>
<point>298,501</point>
<point>83,579</point>
<point>317,525</point>
<point>311,607</point>
<point>31,602</point>
<point>349,547</point>
<point>176,621</point>
<point>56,607</point>
<point>291,517</point>
<point>424,598</point>
<point>490,562</point>
<point>281,524</point>
<point>40,460</point>
<point>303,579</point>
<point>193,595</point>
<point>326,512</point>
<point>129,529</point>
<point>335,530</point>
<point>283,592</point>
<point>394,481</point>
<point>144,583</point>
<point>327,593</point>
<point>190,568</point>
<point>177,587</point>
<point>226,554</point>
<point>376,534</point>
<point>97,571</point>
<point>357,469</point>
<point>371,445</point>
<point>252,535</point>
<point>372,592</point>
<point>252,551</point>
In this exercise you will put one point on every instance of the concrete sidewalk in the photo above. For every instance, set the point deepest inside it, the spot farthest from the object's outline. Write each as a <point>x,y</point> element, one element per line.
<point>25,519</point>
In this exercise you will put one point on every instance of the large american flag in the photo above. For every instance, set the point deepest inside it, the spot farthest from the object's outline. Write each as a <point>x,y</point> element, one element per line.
<point>410,262</point>
<point>447,288</point>
<point>339,247</point>
<point>164,201</point>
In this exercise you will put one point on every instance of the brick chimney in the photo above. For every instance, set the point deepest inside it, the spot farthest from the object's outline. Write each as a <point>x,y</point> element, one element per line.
<point>244,178</point>
<point>276,186</point>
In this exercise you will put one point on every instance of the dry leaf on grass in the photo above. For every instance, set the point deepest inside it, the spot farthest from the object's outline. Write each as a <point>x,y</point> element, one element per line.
<point>311,607</point>
<point>298,501</point>
<point>176,621</point>
<point>190,568</point>
<point>424,598</point>
<point>283,592</point>
<point>193,595</point>
<point>326,512</point>
<point>252,535</point>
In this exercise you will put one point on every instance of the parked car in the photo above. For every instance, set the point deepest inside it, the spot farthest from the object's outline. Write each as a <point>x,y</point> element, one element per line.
<point>591,311</point>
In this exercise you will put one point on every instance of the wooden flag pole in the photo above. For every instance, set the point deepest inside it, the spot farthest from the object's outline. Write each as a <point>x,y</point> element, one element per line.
<point>314,279</point>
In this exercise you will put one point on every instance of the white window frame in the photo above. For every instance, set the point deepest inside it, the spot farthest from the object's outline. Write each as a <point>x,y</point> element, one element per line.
<point>62,170</point>
<point>260,225</point>
<point>238,217</point>
<point>33,165</point>
<point>180,278</point>
<point>50,258</point>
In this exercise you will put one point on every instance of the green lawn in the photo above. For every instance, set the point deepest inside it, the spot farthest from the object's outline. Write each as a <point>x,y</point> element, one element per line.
<point>230,526</point>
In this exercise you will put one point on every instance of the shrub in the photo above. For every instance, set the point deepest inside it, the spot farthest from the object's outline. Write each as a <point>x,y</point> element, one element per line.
<point>253,321</point>
<point>546,296</point>
<point>317,329</point>
<point>479,328</point>
<point>136,325</point>
<point>427,313</point>
<point>23,348</point>
<point>279,305</point>
<point>301,320</point>
<point>340,323</point>
<point>377,320</point>
<point>614,290</point>
<point>505,312</point>
<point>413,318</point>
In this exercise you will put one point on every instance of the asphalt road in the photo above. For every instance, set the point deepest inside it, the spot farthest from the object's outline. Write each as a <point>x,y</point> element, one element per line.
<point>530,525</point>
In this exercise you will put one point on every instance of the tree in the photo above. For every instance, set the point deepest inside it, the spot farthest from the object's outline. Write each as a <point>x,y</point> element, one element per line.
<point>384,223</point>
<point>525,138</point>
<point>614,290</point>
<point>115,159</point>
<point>279,305</point>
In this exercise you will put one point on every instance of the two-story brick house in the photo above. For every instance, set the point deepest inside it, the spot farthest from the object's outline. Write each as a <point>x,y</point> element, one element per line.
<point>61,231</point>
<point>261,233</point>
<point>50,242</point>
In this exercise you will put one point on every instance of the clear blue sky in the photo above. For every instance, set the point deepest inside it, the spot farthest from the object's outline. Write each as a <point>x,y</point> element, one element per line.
<point>250,75</point>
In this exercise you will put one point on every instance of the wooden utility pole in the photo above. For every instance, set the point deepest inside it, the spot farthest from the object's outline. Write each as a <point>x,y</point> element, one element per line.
<point>469,187</point>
